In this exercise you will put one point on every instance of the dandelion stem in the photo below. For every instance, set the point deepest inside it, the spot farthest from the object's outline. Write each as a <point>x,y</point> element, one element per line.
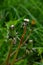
<point>8,57</point>
<point>17,50</point>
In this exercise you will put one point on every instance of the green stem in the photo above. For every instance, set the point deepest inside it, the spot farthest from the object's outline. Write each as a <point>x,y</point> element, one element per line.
<point>17,50</point>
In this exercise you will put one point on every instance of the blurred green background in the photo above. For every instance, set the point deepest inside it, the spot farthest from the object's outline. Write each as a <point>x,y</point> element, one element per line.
<point>13,12</point>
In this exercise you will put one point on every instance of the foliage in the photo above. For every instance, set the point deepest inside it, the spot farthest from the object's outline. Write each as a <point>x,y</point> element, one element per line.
<point>22,48</point>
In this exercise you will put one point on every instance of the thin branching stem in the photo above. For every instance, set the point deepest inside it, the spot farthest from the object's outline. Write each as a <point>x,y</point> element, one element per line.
<point>8,57</point>
<point>23,42</point>
<point>17,50</point>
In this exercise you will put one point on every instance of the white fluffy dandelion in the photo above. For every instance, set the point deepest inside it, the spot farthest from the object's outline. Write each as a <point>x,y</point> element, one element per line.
<point>12,26</point>
<point>27,20</point>
<point>30,41</point>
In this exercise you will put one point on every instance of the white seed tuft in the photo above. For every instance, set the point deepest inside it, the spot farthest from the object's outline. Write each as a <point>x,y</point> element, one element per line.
<point>30,41</point>
<point>12,26</point>
<point>27,20</point>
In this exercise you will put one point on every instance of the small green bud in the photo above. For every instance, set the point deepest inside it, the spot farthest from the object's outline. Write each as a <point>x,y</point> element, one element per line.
<point>14,41</point>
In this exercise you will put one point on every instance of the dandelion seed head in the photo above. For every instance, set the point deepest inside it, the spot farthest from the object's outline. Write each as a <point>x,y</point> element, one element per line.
<point>30,41</point>
<point>26,20</point>
<point>12,27</point>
